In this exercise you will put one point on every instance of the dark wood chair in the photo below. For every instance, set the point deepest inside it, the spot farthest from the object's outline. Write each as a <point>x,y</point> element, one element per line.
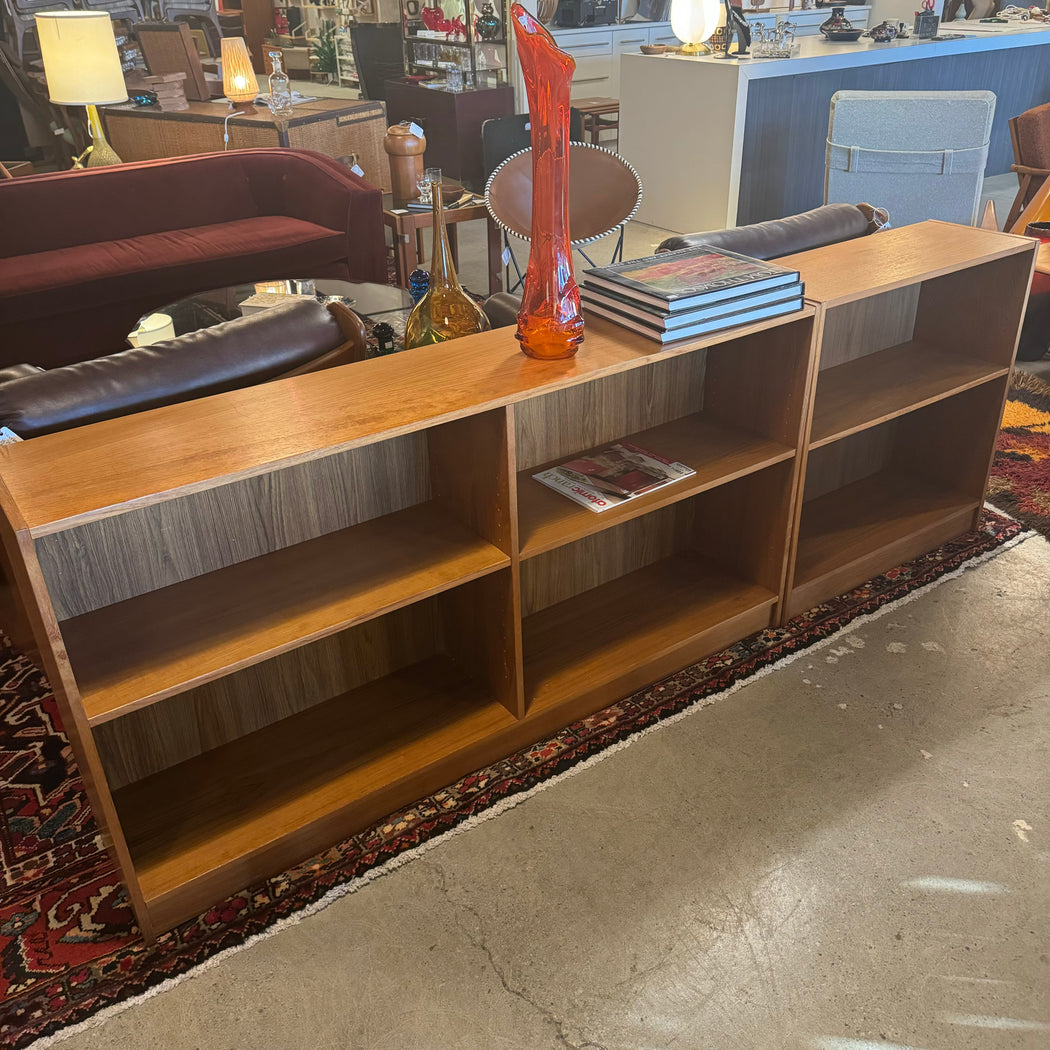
<point>1030,136</point>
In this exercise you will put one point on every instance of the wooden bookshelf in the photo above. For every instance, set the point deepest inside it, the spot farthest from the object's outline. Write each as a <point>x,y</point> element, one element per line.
<point>263,639</point>
<point>157,644</point>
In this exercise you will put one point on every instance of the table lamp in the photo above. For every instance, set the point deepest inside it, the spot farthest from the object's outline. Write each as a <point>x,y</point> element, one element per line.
<point>238,78</point>
<point>83,69</point>
<point>693,22</point>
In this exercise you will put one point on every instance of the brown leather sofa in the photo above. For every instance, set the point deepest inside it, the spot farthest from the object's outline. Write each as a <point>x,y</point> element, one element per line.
<point>84,254</point>
<point>284,341</point>
<point>762,240</point>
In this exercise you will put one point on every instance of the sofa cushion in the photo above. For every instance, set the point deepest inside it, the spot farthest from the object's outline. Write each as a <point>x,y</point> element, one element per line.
<point>828,224</point>
<point>111,271</point>
<point>234,354</point>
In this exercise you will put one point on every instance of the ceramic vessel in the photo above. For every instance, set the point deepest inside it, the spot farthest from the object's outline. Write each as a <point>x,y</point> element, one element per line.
<point>487,25</point>
<point>837,22</point>
<point>550,323</point>
<point>883,33</point>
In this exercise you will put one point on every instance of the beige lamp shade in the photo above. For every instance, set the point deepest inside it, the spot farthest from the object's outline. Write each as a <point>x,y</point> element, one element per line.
<point>80,58</point>
<point>238,78</point>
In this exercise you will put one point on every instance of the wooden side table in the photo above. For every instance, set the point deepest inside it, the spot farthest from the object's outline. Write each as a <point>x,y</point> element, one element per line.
<point>408,226</point>
<point>592,109</point>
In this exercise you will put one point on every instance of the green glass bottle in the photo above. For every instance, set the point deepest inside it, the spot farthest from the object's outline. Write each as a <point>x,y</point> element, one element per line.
<point>446,311</point>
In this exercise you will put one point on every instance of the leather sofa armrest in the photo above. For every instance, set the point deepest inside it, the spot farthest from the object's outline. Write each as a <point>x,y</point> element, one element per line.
<point>272,344</point>
<point>828,224</point>
<point>502,308</point>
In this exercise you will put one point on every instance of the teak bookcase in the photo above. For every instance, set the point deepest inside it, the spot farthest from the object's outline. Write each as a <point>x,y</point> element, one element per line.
<point>273,616</point>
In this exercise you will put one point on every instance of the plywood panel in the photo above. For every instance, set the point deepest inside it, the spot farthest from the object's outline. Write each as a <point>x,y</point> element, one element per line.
<point>174,730</point>
<point>833,466</point>
<point>562,573</point>
<point>868,325</point>
<point>568,421</point>
<point>115,558</point>
<point>977,312</point>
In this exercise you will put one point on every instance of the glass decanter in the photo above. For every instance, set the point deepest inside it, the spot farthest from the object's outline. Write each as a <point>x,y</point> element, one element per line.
<point>446,311</point>
<point>280,89</point>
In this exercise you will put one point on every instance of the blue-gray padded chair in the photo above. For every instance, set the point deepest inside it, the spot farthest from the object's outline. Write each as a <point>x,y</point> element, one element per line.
<point>920,154</point>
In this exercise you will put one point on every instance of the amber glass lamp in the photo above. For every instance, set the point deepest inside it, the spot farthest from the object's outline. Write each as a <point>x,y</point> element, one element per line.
<point>82,68</point>
<point>238,78</point>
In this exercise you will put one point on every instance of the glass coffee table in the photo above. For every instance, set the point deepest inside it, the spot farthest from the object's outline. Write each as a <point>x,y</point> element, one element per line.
<point>374,303</point>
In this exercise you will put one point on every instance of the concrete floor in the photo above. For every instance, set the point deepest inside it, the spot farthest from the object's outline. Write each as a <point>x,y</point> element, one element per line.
<point>852,852</point>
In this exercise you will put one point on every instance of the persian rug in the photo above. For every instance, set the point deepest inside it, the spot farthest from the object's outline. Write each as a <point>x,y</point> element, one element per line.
<point>1020,479</point>
<point>69,949</point>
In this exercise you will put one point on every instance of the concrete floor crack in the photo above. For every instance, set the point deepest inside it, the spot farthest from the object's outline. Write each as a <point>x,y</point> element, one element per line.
<point>478,941</point>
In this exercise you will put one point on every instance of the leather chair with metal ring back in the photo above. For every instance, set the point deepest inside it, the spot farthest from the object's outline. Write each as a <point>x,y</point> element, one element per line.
<point>604,194</point>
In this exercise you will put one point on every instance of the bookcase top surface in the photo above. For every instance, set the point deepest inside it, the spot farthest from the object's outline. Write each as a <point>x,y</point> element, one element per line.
<point>840,273</point>
<point>59,481</point>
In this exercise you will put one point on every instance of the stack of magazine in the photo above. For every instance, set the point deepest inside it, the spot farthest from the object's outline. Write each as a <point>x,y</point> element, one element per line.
<point>690,292</point>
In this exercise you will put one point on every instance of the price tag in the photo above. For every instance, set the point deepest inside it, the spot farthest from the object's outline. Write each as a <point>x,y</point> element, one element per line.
<point>415,129</point>
<point>528,127</point>
<point>506,256</point>
<point>356,169</point>
<point>8,436</point>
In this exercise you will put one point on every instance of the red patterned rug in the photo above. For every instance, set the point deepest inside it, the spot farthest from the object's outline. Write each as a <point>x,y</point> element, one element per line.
<point>1020,479</point>
<point>68,945</point>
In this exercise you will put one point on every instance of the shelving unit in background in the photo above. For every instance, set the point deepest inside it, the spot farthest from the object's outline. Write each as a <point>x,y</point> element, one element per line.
<point>263,645</point>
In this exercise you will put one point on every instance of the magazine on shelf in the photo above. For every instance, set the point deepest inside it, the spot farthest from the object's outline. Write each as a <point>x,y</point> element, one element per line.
<point>613,475</point>
<point>761,313</point>
<point>689,277</point>
<point>664,322</point>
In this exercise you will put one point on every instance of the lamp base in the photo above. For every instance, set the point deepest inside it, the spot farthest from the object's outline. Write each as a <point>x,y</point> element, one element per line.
<point>695,49</point>
<point>244,108</point>
<point>100,153</point>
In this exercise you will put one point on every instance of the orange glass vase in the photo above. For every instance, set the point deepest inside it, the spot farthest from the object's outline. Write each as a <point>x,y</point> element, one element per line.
<point>550,324</point>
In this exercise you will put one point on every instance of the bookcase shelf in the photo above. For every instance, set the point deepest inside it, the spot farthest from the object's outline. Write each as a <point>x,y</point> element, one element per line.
<point>719,453</point>
<point>626,633</point>
<point>850,534</point>
<point>275,795</point>
<point>881,386</point>
<point>152,646</point>
<point>262,643</point>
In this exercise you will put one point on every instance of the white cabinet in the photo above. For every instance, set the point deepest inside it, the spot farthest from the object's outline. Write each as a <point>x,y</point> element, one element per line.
<point>660,33</point>
<point>597,54</point>
<point>596,72</point>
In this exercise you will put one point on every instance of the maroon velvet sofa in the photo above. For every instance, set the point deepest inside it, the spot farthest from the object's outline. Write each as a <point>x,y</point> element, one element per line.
<point>83,254</point>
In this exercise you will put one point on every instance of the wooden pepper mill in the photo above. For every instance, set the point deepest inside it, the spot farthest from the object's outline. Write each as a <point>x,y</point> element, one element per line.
<point>404,151</point>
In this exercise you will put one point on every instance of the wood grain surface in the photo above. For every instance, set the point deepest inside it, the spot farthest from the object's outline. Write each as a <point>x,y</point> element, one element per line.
<point>111,559</point>
<point>841,273</point>
<point>887,384</point>
<point>172,451</point>
<point>147,648</point>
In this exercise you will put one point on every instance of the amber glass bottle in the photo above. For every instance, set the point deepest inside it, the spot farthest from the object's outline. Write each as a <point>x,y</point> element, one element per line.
<point>446,311</point>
